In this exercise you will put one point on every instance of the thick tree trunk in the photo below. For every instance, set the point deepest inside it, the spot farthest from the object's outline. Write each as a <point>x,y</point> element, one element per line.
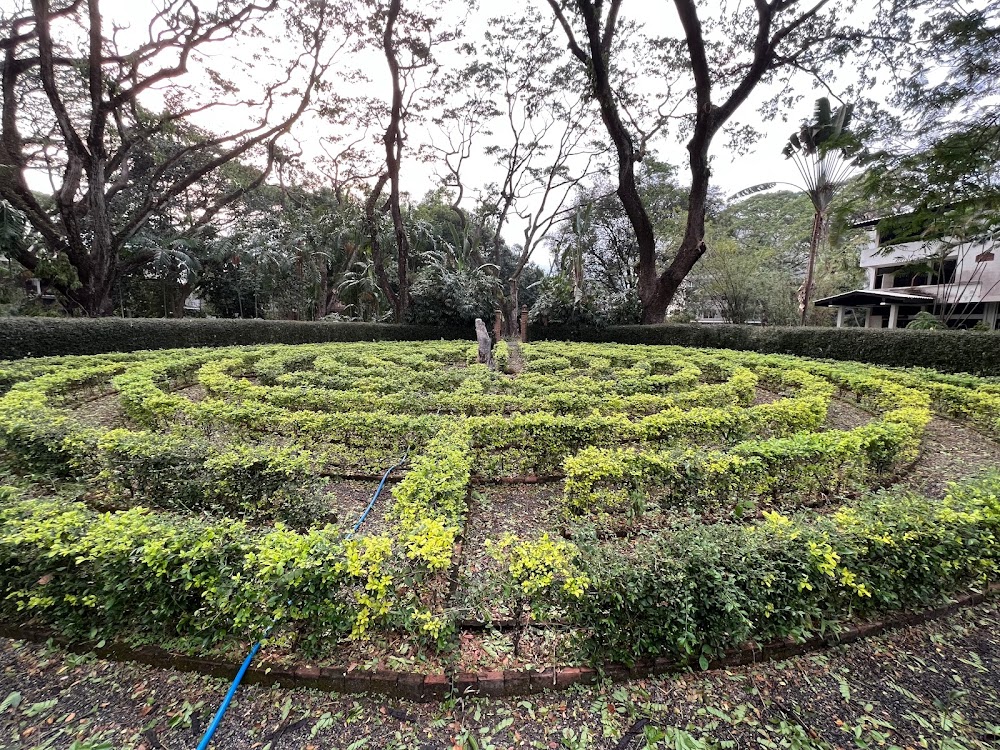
<point>92,298</point>
<point>371,228</point>
<point>393,140</point>
<point>628,190</point>
<point>692,247</point>
<point>596,60</point>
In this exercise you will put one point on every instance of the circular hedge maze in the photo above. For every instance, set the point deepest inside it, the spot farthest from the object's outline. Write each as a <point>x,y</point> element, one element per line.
<point>582,504</point>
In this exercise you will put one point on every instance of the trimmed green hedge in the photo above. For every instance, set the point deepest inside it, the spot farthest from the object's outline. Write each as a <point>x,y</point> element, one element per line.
<point>43,337</point>
<point>696,590</point>
<point>948,351</point>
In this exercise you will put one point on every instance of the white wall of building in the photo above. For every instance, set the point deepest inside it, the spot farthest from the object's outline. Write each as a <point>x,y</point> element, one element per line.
<point>977,274</point>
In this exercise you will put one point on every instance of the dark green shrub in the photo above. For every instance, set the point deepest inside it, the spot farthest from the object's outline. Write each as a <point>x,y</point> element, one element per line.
<point>949,351</point>
<point>695,590</point>
<point>39,337</point>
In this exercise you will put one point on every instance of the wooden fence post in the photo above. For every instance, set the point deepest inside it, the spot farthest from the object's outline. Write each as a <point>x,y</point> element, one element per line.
<point>524,324</point>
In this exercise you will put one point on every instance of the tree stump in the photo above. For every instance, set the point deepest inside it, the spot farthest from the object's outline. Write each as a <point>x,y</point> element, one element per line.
<point>485,345</point>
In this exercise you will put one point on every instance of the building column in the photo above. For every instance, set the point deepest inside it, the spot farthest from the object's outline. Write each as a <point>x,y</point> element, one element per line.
<point>893,315</point>
<point>840,316</point>
<point>990,314</point>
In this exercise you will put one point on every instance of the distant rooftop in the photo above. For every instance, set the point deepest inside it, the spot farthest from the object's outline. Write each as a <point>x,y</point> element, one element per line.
<point>867,297</point>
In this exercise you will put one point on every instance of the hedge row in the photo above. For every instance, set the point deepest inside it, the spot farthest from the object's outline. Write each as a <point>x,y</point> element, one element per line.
<point>135,571</point>
<point>948,351</point>
<point>687,593</point>
<point>796,467</point>
<point>39,337</point>
<point>696,590</point>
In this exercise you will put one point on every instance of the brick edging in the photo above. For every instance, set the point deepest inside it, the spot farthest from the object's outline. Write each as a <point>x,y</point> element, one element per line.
<point>507,683</point>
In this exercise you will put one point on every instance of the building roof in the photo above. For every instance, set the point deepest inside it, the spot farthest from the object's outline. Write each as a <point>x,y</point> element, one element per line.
<point>871,297</point>
<point>866,223</point>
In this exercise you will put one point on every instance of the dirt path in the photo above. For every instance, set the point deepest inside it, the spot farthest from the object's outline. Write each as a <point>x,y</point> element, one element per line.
<point>843,415</point>
<point>105,411</point>
<point>951,452</point>
<point>516,361</point>
<point>935,685</point>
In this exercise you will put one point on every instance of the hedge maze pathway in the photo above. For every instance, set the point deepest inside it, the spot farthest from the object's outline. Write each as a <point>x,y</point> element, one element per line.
<point>694,500</point>
<point>950,452</point>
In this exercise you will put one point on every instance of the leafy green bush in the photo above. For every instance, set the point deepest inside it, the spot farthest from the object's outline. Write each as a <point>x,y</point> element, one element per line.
<point>108,573</point>
<point>431,499</point>
<point>696,590</point>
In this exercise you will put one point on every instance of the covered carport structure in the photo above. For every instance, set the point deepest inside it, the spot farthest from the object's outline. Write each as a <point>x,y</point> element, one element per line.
<point>880,304</point>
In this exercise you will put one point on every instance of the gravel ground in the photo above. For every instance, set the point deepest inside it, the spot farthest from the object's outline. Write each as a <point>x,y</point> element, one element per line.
<point>932,686</point>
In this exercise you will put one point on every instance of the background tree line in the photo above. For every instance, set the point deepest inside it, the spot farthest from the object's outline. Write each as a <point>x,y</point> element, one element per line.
<point>252,155</point>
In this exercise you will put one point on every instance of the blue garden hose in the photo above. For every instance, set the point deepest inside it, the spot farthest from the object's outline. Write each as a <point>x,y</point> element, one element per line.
<point>217,719</point>
<point>371,503</point>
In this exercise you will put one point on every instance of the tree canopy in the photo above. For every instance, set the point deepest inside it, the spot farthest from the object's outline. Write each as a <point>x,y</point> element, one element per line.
<point>263,158</point>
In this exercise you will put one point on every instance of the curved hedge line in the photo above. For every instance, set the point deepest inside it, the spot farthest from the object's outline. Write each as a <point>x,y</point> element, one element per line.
<point>948,351</point>
<point>688,593</point>
<point>683,426</point>
<point>43,337</point>
<point>697,590</point>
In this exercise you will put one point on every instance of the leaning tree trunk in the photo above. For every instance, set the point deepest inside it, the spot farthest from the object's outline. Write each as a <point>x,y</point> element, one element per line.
<point>657,294</point>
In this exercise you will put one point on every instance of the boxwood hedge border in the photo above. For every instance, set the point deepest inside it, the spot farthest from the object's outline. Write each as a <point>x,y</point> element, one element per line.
<point>44,337</point>
<point>947,351</point>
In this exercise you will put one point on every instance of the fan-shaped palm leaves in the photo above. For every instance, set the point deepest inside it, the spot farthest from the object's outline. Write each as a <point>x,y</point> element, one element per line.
<point>823,151</point>
<point>360,292</point>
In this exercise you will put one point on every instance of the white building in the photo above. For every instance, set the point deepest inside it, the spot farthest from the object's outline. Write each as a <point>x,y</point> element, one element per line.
<point>959,282</point>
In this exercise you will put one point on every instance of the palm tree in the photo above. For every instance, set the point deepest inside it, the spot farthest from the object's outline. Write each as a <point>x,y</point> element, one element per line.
<point>360,284</point>
<point>823,152</point>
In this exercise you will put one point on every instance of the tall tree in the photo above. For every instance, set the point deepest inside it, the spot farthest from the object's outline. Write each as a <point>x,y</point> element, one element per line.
<point>74,106</point>
<point>407,38</point>
<point>724,57</point>
<point>823,151</point>
<point>543,144</point>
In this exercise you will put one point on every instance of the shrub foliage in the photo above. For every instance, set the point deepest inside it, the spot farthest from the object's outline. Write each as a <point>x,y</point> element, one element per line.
<point>686,520</point>
<point>949,351</point>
